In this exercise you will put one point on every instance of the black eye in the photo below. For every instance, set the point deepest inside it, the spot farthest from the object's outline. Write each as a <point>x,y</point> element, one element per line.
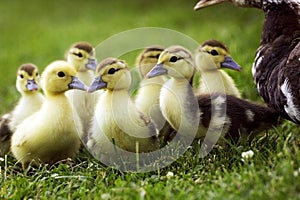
<point>214,52</point>
<point>37,74</point>
<point>61,74</point>
<point>78,54</point>
<point>112,71</point>
<point>21,76</point>
<point>173,59</point>
<point>157,56</point>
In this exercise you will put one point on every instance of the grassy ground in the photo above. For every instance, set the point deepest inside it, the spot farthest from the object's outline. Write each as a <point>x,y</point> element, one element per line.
<point>41,31</point>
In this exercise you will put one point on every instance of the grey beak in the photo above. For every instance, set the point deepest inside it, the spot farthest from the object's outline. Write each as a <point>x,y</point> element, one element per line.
<point>77,84</point>
<point>157,70</point>
<point>92,64</point>
<point>97,84</point>
<point>230,64</point>
<point>32,85</point>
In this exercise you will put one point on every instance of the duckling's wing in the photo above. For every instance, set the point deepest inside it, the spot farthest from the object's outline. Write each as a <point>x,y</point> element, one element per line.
<point>5,132</point>
<point>204,102</point>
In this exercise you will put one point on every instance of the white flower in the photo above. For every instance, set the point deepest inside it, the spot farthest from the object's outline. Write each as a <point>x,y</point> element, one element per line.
<point>105,196</point>
<point>170,174</point>
<point>296,172</point>
<point>247,154</point>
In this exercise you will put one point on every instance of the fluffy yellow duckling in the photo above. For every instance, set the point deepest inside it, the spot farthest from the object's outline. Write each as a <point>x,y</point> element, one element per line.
<point>147,99</point>
<point>27,84</point>
<point>204,115</point>
<point>50,134</point>
<point>212,78</point>
<point>81,56</point>
<point>117,120</point>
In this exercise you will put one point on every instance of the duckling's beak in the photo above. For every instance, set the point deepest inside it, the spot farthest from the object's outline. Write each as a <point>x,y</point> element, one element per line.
<point>97,84</point>
<point>77,84</point>
<point>31,85</point>
<point>205,3</point>
<point>92,64</point>
<point>157,70</point>
<point>230,64</point>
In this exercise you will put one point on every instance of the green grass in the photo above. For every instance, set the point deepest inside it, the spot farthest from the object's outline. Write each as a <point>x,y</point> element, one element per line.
<point>41,31</point>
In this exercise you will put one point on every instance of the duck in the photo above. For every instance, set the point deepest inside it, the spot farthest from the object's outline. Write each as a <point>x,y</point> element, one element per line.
<point>211,75</point>
<point>276,65</point>
<point>117,122</point>
<point>81,56</point>
<point>205,115</point>
<point>28,85</point>
<point>52,133</point>
<point>149,89</point>
<point>147,98</point>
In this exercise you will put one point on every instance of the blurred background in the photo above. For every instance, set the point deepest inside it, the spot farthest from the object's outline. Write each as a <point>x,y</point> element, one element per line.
<point>41,31</point>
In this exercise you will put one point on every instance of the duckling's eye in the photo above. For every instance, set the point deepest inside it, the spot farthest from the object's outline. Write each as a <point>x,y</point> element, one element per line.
<point>214,52</point>
<point>111,71</point>
<point>61,74</point>
<point>173,59</point>
<point>21,76</point>
<point>37,74</point>
<point>157,56</point>
<point>78,54</point>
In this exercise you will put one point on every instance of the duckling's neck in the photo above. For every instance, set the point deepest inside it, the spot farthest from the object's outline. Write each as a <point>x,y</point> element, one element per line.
<point>86,76</point>
<point>57,105</point>
<point>179,106</point>
<point>218,81</point>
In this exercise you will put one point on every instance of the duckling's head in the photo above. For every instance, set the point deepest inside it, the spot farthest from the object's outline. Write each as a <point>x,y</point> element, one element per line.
<point>58,77</point>
<point>111,74</point>
<point>82,56</point>
<point>175,61</point>
<point>28,79</point>
<point>147,59</point>
<point>241,3</point>
<point>219,54</point>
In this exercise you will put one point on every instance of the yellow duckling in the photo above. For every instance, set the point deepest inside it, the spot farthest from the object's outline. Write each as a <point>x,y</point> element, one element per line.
<point>27,84</point>
<point>50,134</point>
<point>212,78</point>
<point>81,56</point>
<point>205,115</point>
<point>147,99</point>
<point>117,120</point>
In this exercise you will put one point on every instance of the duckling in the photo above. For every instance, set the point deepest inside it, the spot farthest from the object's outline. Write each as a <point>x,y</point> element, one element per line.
<point>50,134</point>
<point>117,120</point>
<point>27,84</point>
<point>212,78</point>
<point>276,66</point>
<point>81,56</point>
<point>209,115</point>
<point>147,98</point>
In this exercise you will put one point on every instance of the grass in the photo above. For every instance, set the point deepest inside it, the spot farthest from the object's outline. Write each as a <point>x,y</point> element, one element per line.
<point>41,31</point>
